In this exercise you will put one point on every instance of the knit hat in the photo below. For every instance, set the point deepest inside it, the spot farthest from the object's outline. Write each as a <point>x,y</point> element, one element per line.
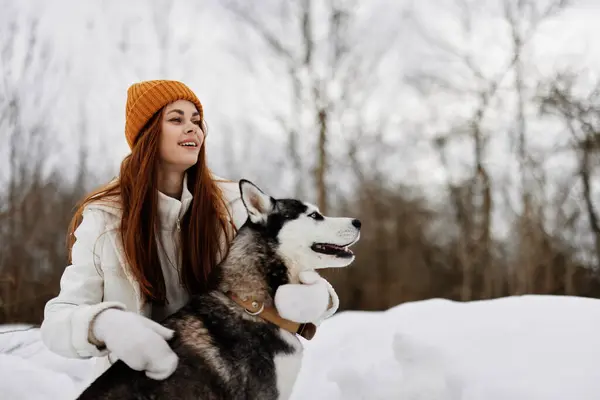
<point>145,98</point>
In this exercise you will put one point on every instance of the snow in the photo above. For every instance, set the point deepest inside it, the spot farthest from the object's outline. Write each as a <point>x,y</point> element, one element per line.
<point>28,371</point>
<point>529,347</point>
<point>517,348</point>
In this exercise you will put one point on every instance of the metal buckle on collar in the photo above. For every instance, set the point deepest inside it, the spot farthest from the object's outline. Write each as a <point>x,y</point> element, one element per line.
<point>255,305</point>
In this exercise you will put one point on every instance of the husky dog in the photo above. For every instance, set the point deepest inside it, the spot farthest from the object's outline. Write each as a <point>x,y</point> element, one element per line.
<point>230,341</point>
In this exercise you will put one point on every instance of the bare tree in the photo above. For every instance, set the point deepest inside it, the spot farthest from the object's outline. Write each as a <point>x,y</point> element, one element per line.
<point>473,198</point>
<point>581,116</point>
<point>523,18</point>
<point>37,202</point>
<point>321,73</point>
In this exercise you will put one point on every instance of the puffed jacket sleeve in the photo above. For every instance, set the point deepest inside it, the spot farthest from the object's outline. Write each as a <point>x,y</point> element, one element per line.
<point>233,201</point>
<point>68,317</point>
<point>239,214</point>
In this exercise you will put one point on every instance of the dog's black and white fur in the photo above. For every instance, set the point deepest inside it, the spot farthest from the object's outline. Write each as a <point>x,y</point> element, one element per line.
<point>224,352</point>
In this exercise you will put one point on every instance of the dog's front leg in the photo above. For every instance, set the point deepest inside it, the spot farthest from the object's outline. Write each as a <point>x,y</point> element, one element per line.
<point>287,366</point>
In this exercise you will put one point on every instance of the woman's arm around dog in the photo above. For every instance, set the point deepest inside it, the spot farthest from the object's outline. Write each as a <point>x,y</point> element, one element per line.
<point>67,317</point>
<point>79,324</point>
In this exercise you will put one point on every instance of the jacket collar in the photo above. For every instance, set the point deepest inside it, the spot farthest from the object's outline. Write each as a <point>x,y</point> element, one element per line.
<point>171,210</point>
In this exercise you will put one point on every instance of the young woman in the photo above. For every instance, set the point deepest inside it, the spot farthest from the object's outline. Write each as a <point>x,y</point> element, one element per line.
<point>147,240</point>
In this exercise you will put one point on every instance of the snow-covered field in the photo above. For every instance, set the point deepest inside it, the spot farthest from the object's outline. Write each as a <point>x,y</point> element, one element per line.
<point>517,348</point>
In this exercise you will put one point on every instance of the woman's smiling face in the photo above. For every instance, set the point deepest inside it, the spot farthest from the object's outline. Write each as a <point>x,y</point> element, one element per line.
<point>181,135</point>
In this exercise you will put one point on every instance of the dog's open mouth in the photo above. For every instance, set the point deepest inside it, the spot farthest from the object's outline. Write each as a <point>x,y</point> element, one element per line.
<point>332,250</point>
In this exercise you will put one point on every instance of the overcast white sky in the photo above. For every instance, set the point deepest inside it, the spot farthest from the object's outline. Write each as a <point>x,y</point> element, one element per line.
<point>98,48</point>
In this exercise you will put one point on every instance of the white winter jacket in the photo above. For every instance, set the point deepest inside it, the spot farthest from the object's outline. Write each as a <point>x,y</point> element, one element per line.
<point>99,277</point>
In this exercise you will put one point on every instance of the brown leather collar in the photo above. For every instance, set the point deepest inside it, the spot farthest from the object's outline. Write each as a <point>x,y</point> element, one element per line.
<point>270,314</point>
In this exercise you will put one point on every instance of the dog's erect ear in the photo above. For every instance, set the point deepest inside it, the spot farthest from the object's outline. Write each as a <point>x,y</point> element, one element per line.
<point>258,204</point>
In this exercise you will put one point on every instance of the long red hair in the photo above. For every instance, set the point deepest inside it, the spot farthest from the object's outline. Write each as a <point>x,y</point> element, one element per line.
<point>205,223</point>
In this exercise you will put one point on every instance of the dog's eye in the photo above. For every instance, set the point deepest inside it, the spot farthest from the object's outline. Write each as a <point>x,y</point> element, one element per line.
<point>315,215</point>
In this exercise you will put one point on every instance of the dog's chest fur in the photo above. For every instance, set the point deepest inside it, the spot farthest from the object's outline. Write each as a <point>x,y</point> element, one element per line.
<point>223,354</point>
<point>287,366</point>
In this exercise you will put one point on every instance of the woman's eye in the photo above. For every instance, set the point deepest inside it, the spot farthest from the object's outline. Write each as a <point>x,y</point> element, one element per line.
<point>197,123</point>
<point>175,120</point>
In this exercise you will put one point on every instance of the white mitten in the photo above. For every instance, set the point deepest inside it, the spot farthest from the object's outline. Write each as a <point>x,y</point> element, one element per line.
<point>335,301</point>
<point>137,341</point>
<point>307,301</point>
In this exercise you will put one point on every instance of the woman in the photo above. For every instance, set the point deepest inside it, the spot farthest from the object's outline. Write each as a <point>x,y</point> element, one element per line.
<point>147,240</point>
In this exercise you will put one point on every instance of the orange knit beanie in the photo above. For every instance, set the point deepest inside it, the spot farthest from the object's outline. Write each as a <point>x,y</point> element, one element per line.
<point>144,99</point>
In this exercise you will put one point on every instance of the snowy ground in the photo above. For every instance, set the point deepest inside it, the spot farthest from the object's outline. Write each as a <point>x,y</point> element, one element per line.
<point>518,348</point>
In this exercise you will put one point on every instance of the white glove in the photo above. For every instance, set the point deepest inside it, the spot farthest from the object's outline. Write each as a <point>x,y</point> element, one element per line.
<point>137,341</point>
<point>307,301</point>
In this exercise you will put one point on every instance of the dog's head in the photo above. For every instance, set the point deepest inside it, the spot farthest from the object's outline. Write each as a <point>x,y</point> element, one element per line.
<point>297,231</point>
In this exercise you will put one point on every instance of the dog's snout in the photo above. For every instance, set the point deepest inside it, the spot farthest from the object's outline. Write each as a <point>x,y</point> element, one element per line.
<point>356,223</point>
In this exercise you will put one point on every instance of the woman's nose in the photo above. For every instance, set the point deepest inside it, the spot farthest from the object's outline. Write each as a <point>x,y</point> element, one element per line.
<point>190,128</point>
